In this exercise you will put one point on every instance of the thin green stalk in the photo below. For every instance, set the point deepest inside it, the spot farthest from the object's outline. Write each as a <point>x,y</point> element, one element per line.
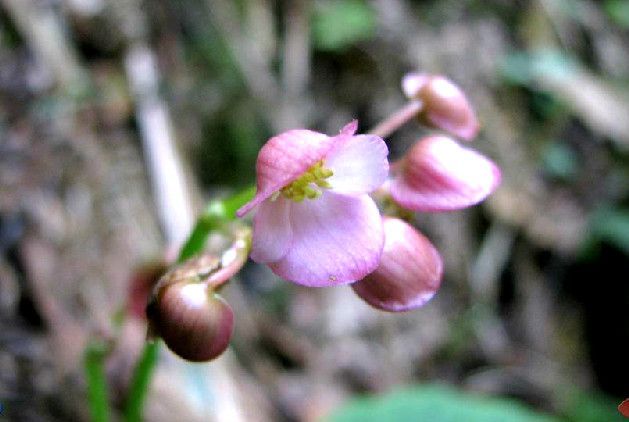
<point>97,398</point>
<point>140,382</point>
<point>216,215</point>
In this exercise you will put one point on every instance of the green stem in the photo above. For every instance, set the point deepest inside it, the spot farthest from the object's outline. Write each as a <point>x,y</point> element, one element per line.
<point>140,382</point>
<point>94,362</point>
<point>216,214</point>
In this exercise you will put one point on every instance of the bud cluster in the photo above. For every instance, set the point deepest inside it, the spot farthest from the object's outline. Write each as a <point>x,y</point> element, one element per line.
<point>436,174</point>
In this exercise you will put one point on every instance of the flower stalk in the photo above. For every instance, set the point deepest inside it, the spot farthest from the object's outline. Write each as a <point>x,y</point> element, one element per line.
<point>398,119</point>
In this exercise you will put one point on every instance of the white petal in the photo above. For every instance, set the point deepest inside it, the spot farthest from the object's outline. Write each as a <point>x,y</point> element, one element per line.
<point>360,165</point>
<point>272,232</point>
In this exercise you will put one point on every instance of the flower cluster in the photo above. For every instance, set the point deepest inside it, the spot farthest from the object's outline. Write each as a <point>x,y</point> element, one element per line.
<point>316,225</point>
<point>317,220</point>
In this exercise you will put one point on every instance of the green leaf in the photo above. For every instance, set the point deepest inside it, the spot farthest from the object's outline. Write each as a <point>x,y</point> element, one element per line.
<point>618,11</point>
<point>523,68</point>
<point>340,24</point>
<point>560,161</point>
<point>436,404</point>
<point>612,226</point>
<point>588,407</point>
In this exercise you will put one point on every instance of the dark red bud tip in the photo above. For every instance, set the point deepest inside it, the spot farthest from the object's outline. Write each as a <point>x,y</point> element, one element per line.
<point>194,322</point>
<point>409,273</point>
<point>623,408</point>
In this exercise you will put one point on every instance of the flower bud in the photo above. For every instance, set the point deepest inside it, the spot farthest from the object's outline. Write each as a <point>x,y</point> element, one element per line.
<point>437,174</point>
<point>445,106</point>
<point>623,408</point>
<point>194,321</point>
<point>409,273</point>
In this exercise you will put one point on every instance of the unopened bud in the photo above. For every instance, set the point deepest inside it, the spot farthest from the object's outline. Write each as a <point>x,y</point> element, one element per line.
<point>438,174</point>
<point>445,105</point>
<point>623,408</point>
<point>409,273</point>
<point>194,321</point>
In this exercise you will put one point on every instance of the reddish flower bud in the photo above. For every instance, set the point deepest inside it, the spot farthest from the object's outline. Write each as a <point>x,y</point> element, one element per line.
<point>437,174</point>
<point>194,321</point>
<point>409,273</point>
<point>445,104</point>
<point>623,408</point>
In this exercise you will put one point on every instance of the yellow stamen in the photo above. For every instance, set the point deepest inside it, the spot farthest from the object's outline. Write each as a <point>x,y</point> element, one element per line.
<point>309,184</point>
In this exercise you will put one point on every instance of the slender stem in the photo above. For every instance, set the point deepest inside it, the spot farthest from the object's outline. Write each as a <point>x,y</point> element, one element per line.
<point>140,382</point>
<point>397,119</point>
<point>94,361</point>
<point>216,214</point>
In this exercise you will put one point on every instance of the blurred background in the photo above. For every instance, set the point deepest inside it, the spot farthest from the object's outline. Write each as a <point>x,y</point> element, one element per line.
<point>120,119</point>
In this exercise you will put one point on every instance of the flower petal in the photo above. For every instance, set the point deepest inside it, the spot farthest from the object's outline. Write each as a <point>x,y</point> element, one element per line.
<point>446,107</point>
<point>272,232</point>
<point>360,165</point>
<point>412,83</point>
<point>287,156</point>
<point>438,174</point>
<point>337,239</point>
<point>409,273</point>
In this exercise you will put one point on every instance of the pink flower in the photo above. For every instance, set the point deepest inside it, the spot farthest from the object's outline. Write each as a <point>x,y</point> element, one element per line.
<point>315,223</point>
<point>437,174</point>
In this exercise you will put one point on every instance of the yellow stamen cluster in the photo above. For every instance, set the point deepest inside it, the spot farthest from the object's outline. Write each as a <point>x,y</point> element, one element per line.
<point>306,185</point>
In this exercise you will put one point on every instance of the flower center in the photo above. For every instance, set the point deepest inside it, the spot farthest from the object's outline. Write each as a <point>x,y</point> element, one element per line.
<point>308,185</point>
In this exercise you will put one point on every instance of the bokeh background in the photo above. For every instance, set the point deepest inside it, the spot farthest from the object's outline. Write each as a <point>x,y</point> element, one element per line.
<point>103,102</point>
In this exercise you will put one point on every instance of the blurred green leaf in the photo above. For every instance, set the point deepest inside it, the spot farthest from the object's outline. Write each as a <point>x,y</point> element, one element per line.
<point>587,407</point>
<point>612,226</point>
<point>436,404</point>
<point>523,68</point>
<point>618,11</point>
<point>560,161</point>
<point>337,25</point>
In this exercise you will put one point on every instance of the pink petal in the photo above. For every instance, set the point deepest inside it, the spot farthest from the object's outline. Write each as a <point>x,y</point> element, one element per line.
<point>360,165</point>
<point>409,273</point>
<point>337,239</point>
<point>287,156</point>
<point>446,107</point>
<point>272,232</point>
<point>438,174</point>
<point>412,83</point>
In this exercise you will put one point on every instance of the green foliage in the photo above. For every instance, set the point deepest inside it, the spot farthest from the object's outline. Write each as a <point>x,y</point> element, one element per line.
<point>612,226</point>
<point>340,24</point>
<point>618,11</point>
<point>560,161</point>
<point>522,68</point>
<point>433,403</point>
<point>587,407</point>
